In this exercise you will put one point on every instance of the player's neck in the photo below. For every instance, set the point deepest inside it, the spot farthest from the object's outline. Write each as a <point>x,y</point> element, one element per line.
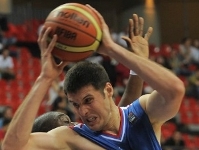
<point>113,124</point>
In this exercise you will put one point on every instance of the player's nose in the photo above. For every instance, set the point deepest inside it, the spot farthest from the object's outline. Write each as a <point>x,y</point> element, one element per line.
<point>83,111</point>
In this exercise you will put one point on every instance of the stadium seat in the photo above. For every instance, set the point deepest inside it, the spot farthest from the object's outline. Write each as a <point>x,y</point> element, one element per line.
<point>165,50</point>
<point>154,50</point>
<point>168,129</point>
<point>187,117</point>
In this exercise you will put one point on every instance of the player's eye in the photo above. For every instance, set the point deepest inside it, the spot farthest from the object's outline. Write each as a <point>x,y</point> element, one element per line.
<point>88,100</point>
<point>76,105</point>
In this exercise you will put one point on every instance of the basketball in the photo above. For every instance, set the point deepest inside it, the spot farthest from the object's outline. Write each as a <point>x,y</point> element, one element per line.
<point>78,30</point>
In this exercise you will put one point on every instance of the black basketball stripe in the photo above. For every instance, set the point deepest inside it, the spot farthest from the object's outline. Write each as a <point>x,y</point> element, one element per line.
<point>49,20</point>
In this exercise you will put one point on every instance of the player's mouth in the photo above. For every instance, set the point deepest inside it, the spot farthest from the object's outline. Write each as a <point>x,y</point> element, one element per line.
<point>91,121</point>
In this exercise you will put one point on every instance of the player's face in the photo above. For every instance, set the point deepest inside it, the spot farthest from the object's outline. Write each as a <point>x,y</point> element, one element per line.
<point>93,107</point>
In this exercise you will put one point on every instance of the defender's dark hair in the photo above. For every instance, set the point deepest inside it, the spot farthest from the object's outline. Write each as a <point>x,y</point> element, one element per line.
<point>83,74</point>
<point>49,121</point>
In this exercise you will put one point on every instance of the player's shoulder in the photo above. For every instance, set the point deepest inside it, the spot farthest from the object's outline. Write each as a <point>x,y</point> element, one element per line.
<point>65,133</point>
<point>140,102</point>
<point>143,100</point>
<point>71,138</point>
<point>138,106</point>
<point>62,129</point>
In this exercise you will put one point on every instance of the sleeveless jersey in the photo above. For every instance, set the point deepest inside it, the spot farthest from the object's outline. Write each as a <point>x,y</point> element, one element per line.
<point>135,133</point>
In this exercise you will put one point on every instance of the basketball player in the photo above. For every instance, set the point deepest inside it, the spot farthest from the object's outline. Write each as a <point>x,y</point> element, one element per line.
<point>106,126</point>
<point>53,119</point>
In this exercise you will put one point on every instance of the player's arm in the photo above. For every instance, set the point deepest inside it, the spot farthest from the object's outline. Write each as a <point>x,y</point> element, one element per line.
<point>53,140</point>
<point>18,135</point>
<point>163,103</point>
<point>135,83</point>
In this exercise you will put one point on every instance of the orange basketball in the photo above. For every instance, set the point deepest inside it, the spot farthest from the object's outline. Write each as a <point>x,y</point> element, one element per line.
<point>78,30</point>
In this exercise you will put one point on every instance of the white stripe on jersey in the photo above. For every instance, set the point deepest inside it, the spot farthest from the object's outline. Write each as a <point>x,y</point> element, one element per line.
<point>123,130</point>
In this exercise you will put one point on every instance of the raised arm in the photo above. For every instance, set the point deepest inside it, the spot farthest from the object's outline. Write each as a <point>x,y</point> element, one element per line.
<point>18,135</point>
<point>135,83</point>
<point>163,103</point>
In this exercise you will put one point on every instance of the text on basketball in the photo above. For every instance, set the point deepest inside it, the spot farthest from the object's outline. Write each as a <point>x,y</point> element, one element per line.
<point>75,17</point>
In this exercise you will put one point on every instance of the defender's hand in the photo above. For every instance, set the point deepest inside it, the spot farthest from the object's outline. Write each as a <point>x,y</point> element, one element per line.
<point>49,67</point>
<point>136,42</point>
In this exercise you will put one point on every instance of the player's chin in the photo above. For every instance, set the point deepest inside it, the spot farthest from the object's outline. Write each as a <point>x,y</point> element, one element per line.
<point>94,126</point>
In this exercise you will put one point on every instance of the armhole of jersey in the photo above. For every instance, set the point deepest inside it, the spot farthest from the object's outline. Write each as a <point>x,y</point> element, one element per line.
<point>137,108</point>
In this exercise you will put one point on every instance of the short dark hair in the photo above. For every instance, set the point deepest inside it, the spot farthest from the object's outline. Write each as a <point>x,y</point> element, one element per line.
<point>49,121</point>
<point>85,73</point>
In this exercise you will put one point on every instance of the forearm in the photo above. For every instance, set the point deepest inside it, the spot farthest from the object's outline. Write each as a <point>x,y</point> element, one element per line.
<point>158,77</point>
<point>132,91</point>
<point>20,128</point>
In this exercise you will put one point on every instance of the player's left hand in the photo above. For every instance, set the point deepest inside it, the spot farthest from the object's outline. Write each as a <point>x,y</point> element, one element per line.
<point>107,41</point>
<point>136,42</point>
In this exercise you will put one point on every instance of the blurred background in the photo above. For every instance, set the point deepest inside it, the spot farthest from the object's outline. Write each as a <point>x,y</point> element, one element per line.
<point>174,44</point>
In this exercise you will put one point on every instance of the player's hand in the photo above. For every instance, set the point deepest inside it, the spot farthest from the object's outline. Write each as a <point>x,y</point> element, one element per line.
<point>136,42</point>
<point>107,41</point>
<point>49,67</point>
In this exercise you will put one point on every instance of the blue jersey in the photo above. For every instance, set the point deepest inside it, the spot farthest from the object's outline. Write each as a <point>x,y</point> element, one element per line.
<point>135,133</point>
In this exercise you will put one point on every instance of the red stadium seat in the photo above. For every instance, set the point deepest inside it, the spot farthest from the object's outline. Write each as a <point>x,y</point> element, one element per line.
<point>154,50</point>
<point>2,83</point>
<point>175,47</point>
<point>187,117</point>
<point>190,142</point>
<point>185,107</point>
<point>168,129</point>
<point>196,141</point>
<point>165,50</point>
<point>25,54</point>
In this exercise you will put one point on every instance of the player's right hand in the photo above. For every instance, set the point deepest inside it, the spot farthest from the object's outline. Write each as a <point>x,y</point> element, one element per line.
<point>49,67</point>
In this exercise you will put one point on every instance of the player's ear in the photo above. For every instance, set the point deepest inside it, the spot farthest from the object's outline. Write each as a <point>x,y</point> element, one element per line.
<point>109,89</point>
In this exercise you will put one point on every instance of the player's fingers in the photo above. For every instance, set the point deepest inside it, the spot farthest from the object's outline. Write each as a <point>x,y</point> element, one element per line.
<point>131,28</point>
<point>52,43</point>
<point>44,38</point>
<point>128,41</point>
<point>136,24</point>
<point>141,24</point>
<point>43,29</point>
<point>97,13</point>
<point>148,34</point>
